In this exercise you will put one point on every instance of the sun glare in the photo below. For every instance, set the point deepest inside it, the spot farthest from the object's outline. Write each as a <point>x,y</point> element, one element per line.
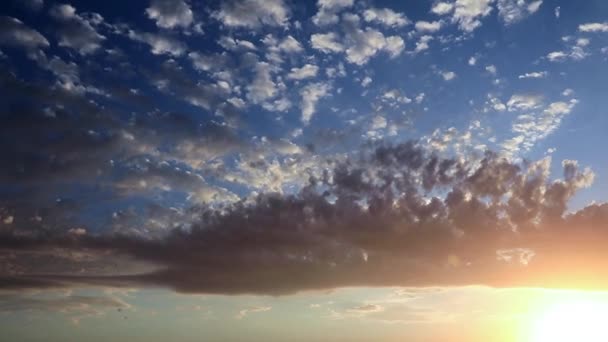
<point>576,319</point>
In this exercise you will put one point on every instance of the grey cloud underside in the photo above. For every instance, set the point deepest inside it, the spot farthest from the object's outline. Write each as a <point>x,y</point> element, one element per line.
<point>427,221</point>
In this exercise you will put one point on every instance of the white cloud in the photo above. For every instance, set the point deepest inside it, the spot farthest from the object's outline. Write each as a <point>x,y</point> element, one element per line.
<point>327,11</point>
<point>442,8</point>
<point>425,26</point>
<point>311,94</point>
<point>77,32</point>
<point>170,13</point>
<point>278,105</point>
<point>326,42</point>
<point>576,53</point>
<point>232,44</point>
<point>290,45</point>
<point>252,13</point>
<point>386,17</point>
<point>262,87</point>
<point>557,12</point>
<point>365,44</point>
<point>423,43</point>
<point>557,56</point>
<point>394,46</point>
<point>531,128</point>
<point>378,122</point>
<point>492,69</point>
<point>159,44</point>
<point>593,27</point>
<point>512,11</point>
<point>307,71</point>
<point>472,61</point>
<point>535,74</point>
<point>14,33</point>
<point>519,102</point>
<point>448,75</point>
<point>468,12</point>
<point>366,81</point>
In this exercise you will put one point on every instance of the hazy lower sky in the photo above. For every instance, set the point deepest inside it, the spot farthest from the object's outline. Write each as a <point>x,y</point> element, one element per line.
<point>330,170</point>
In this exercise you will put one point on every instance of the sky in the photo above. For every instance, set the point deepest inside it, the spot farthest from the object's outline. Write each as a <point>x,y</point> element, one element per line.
<point>325,170</point>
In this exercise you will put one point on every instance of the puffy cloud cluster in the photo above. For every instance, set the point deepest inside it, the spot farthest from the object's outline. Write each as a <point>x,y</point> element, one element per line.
<point>170,13</point>
<point>253,13</point>
<point>77,31</point>
<point>395,215</point>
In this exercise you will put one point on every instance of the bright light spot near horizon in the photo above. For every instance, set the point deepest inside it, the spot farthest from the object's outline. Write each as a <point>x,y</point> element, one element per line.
<point>574,319</point>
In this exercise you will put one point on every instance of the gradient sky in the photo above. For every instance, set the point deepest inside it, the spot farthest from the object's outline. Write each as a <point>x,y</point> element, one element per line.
<point>323,170</point>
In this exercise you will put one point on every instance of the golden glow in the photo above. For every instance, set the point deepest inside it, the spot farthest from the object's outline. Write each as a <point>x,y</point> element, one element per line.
<point>572,319</point>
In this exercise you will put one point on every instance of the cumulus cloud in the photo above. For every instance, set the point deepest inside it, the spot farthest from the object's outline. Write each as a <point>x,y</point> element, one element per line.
<point>385,16</point>
<point>326,42</point>
<point>534,74</point>
<point>253,13</point>
<point>524,102</point>
<point>593,27</point>
<point>442,8</point>
<point>311,94</point>
<point>363,219</point>
<point>363,44</point>
<point>306,71</point>
<point>532,127</point>
<point>328,9</point>
<point>76,31</point>
<point>263,87</point>
<point>159,44</point>
<point>467,13</point>
<point>425,26</point>
<point>170,13</point>
<point>512,11</point>
<point>448,75</point>
<point>15,33</point>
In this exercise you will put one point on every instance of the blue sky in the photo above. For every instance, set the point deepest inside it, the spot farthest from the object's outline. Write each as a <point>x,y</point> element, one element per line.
<point>144,141</point>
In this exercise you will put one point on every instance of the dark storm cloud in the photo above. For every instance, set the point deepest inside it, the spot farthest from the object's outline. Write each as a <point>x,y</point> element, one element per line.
<point>396,215</point>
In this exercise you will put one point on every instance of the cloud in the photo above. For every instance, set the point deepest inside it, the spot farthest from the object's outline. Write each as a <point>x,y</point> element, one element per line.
<point>423,43</point>
<point>290,45</point>
<point>328,9</point>
<point>326,42</point>
<point>442,8</point>
<point>468,12</point>
<point>385,16</point>
<point>306,71</point>
<point>448,75</point>
<point>311,94</point>
<point>255,309</point>
<point>15,33</point>
<point>530,128</point>
<point>76,307</point>
<point>170,13</point>
<point>77,31</point>
<point>363,219</point>
<point>425,26</point>
<point>361,44</point>
<point>519,102</point>
<point>252,13</point>
<point>512,11</point>
<point>159,44</point>
<point>263,87</point>
<point>535,74</point>
<point>593,27</point>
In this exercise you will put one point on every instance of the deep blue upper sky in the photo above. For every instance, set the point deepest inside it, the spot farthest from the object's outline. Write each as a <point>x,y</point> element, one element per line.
<point>121,115</point>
